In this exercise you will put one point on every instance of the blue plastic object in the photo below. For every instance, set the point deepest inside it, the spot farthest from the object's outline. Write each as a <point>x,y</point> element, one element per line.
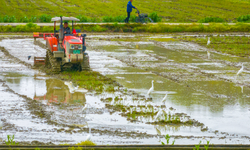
<point>78,30</point>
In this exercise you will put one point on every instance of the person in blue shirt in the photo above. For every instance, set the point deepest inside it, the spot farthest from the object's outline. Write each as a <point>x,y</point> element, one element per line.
<point>129,10</point>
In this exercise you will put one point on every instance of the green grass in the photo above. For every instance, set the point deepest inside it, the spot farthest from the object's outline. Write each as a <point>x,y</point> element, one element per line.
<point>89,80</point>
<point>83,143</point>
<point>244,18</point>
<point>239,46</point>
<point>87,143</point>
<point>172,11</point>
<point>10,140</point>
<point>132,113</point>
<point>211,19</point>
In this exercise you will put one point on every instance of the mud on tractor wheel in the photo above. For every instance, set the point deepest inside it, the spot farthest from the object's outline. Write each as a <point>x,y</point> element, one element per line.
<point>52,62</point>
<point>83,66</point>
<point>57,64</point>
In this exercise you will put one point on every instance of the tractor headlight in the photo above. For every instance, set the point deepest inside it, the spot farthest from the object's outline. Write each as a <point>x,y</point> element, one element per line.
<point>79,46</point>
<point>75,46</point>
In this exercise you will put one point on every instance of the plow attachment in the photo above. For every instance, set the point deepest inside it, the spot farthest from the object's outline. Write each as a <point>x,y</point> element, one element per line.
<point>39,61</point>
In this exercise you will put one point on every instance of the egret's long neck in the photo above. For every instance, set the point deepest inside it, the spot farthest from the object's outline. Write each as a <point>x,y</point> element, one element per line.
<point>152,84</point>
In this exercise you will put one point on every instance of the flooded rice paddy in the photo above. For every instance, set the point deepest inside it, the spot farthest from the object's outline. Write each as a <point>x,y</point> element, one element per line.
<point>205,101</point>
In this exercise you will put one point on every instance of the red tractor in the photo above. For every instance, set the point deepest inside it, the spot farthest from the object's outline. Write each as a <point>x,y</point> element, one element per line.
<point>65,50</point>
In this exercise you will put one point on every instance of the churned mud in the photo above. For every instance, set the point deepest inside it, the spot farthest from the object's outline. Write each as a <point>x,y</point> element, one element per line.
<point>205,101</point>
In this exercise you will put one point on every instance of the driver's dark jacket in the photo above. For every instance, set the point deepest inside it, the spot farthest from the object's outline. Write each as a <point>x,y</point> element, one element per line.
<point>67,30</point>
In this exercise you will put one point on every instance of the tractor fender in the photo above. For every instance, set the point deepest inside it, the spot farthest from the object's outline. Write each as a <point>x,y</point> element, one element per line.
<point>51,43</point>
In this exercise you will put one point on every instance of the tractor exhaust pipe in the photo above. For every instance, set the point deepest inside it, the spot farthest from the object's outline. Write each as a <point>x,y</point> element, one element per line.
<point>61,32</point>
<point>83,43</point>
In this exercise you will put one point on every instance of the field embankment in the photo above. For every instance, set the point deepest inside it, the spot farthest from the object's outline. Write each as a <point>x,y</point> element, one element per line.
<point>150,28</point>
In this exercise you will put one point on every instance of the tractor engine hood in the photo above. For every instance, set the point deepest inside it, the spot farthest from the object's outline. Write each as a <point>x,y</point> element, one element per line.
<point>72,40</point>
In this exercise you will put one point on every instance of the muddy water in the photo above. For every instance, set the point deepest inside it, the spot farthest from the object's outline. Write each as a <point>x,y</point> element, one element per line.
<point>208,90</point>
<point>204,89</point>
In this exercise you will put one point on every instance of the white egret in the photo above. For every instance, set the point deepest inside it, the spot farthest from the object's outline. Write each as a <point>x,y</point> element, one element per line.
<point>242,89</point>
<point>159,114</point>
<point>89,135</point>
<point>131,110</point>
<point>152,88</point>
<point>85,107</point>
<point>164,98</point>
<point>208,41</point>
<point>241,69</point>
<point>208,54</point>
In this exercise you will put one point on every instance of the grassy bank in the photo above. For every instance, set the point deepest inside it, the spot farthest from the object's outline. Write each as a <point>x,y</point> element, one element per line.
<point>172,11</point>
<point>235,45</point>
<point>158,28</point>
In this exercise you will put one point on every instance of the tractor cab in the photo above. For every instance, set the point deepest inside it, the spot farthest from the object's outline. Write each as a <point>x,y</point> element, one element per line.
<point>65,19</point>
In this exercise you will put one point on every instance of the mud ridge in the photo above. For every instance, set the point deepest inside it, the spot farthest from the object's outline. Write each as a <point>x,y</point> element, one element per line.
<point>39,43</point>
<point>15,37</point>
<point>7,54</point>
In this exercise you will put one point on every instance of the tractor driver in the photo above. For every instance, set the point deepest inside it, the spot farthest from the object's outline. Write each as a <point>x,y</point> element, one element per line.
<point>66,29</point>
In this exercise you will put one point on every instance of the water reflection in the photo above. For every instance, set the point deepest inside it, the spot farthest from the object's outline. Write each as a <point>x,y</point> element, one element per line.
<point>42,88</point>
<point>58,92</point>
